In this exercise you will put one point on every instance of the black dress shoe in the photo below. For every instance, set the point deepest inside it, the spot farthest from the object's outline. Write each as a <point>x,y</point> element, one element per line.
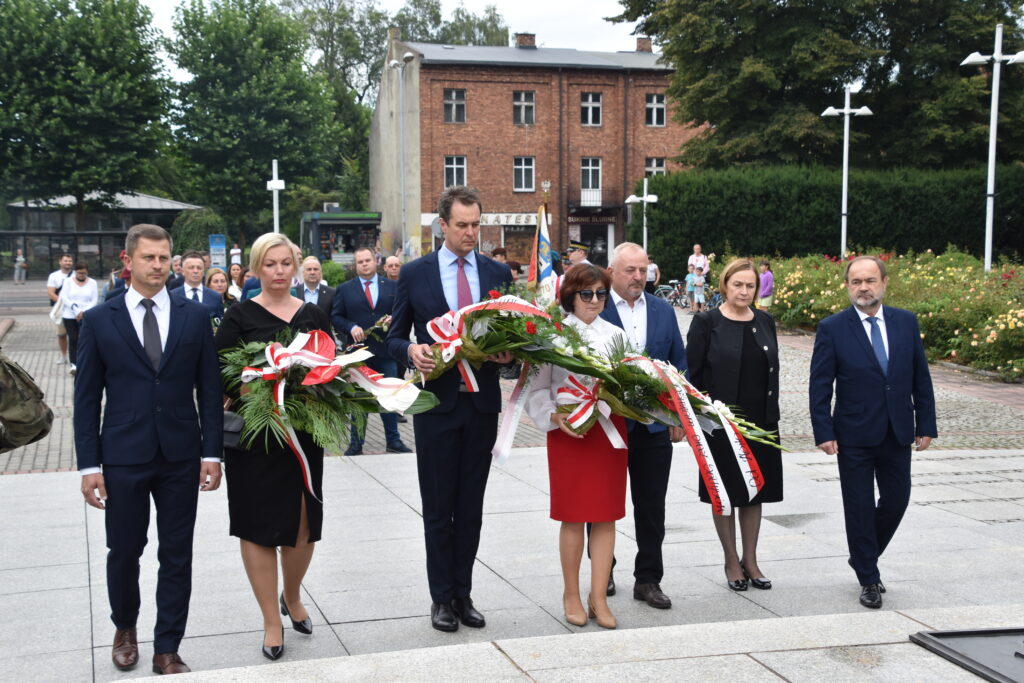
<point>467,614</point>
<point>651,594</point>
<point>881,587</point>
<point>761,584</point>
<point>611,584</point>
<point>442,618</point>
<point>305,626</point>
<point>737,585</point>
<point>354,449</point>
<point>274,652</point>
<point>398,447</point>
<point>402,419</point>
<point>871,596</point>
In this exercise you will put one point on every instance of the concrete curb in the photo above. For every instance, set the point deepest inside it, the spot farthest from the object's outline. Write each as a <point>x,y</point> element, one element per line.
<point>5,326</point>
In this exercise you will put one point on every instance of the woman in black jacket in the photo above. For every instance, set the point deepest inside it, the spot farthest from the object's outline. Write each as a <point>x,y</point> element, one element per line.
<point>733,355</point>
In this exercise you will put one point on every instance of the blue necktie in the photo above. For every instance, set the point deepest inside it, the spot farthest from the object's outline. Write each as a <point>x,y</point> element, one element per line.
<point>878,345</point>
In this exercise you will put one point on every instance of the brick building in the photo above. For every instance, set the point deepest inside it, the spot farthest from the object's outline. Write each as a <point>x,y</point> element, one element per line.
<point>507,119</point>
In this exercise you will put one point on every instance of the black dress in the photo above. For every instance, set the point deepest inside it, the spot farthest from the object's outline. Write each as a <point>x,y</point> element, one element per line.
<point>752,402</point>
<point>265,486</point>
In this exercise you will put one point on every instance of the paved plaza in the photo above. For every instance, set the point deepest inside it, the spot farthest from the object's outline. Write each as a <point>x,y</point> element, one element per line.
<point>952,564</point>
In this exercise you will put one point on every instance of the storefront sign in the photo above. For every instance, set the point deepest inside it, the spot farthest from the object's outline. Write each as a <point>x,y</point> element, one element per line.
<point>591,219</point>
<point>492,218</point>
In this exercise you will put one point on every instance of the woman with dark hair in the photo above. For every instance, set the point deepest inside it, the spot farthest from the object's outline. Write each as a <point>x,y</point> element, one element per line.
<point>79,293</point>
<point>733,355</point>
<point>217,280</point>
<point>587,473</point>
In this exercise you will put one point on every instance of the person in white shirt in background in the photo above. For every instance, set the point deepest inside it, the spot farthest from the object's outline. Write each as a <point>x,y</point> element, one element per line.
<point>79,293</point>
<point>653,275</point>
<point>53,287</point>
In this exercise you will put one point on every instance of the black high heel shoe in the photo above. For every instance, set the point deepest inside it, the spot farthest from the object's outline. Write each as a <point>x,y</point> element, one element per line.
<point>761,584</point>
<point>274,652</point>
<point>737,585</point>
<point>305,626</point>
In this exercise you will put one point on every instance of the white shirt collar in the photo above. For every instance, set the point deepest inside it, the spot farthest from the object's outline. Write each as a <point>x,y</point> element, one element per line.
<point>132,298</point>
<point>864,316</point>
<point>616,299</point>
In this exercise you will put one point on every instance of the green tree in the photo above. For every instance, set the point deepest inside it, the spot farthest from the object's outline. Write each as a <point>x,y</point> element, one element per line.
<point>81,98</point>
<point>760,72</point>
<point>192,229</point>
<point>249,101</point>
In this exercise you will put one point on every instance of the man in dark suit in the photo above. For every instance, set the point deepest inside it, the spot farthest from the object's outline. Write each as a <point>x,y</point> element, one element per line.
<point>193,268</point>
<point>148,353</point>
<point>313,290</point>
<point>454,440</point>
<point>175,279</point>
<point>884,403</point>
<point>649,323</point>
<point>358,305</point>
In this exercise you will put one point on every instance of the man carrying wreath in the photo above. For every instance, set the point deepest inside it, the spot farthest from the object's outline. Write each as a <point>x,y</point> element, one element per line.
<point>454,440</point>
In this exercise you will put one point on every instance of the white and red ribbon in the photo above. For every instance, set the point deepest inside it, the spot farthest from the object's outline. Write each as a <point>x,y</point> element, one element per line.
<point>510,418</point>
<point>447,330</point>
<point>585,398</point>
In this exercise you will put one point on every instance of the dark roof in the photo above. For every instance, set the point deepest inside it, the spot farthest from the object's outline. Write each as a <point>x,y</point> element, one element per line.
<point>433,53</point>
<point>133,202</point>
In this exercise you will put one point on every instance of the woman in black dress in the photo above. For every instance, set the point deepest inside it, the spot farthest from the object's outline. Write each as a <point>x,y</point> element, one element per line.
<point>268,504</point>
<point>733,355</point>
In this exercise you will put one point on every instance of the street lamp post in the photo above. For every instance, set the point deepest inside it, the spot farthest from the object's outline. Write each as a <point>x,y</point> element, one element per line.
<point>997,58</point>
<point>400,65</point>
<point>846,112</point>
<point>275,185</point>
<point>645,200</point>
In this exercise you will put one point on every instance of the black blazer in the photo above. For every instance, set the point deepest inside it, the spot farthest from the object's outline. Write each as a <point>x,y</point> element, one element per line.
<point>324,297</point>
<point>350,309</point>
<point>714,349</point>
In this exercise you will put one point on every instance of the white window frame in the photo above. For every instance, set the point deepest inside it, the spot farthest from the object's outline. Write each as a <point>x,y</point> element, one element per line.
<point>655,166</point>
<point>452,162</point>
<point>588,165</point>
<point>590,109</point>
<point>453,103</point>
<point>524,166</point>
<point>655,110</point>
<point>523,103</point>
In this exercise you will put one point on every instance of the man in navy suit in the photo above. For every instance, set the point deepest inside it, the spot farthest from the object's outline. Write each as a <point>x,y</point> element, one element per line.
<point>193,268</point>
<point>454,440</point>
<point>650,324</point>
<point>149,353</point>
<point>313,290</point>
<point>358,305</point>
<point>884,403</point>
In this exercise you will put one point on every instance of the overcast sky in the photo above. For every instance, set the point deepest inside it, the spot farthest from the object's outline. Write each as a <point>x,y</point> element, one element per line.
<point>576,24</point>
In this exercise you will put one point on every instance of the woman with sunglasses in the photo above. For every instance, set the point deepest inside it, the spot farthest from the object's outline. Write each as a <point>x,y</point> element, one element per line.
<point>587,473</point>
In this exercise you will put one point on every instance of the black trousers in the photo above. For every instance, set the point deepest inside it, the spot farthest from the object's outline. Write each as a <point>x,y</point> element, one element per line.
<point>72,326</point>
<point>174,487</point>
<point>870,525</point>
<point>453,460</point>
<point>650,463</point>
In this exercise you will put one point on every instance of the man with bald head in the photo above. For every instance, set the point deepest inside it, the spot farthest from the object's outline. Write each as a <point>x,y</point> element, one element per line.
<point>313,289</point>
<point>392,267</point>
<point>650,324</point>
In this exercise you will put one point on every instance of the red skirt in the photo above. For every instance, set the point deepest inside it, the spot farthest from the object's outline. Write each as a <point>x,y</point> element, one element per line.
<point>588,475</point>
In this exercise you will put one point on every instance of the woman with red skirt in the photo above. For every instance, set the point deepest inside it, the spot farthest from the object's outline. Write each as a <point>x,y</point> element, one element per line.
<point>587,473</point>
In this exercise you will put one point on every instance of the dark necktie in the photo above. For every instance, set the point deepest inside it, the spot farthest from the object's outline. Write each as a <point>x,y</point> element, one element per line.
<point>878,345</point>
<point>195,294</point>
<point>465,294</point>
<point>369,294</point>
<point>151,334</point>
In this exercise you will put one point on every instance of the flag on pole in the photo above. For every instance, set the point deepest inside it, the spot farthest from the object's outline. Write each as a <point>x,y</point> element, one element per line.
<point>544,272</point>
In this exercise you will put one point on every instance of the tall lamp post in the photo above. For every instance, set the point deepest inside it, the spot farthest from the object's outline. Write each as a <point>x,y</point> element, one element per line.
<point>275,185</point>
<point>400,65</point>
<point>645,200</point>
<point>846,112</point>
<point>997,58</point>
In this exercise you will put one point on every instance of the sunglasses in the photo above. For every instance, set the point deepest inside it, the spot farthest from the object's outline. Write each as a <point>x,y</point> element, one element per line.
<point>588,294</point>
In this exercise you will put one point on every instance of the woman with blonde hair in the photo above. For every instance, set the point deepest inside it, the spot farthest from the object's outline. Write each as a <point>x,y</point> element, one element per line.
<point>268,504</point>
<point>732,354</point>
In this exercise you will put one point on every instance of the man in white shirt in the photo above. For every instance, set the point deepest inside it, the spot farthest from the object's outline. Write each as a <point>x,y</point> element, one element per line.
<point>54,283</point>
<point>236,254</point>
<point>193,269</point>
<point>313,290</point>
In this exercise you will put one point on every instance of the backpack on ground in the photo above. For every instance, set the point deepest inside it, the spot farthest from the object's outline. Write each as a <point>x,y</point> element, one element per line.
<point>24,417</point>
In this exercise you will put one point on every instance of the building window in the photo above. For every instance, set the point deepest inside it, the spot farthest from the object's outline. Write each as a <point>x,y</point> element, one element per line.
<point>522,107</point>
<point>590,173</point>
<point>522,174</point>
<point>654,166</point>
<point>454,171</point>
<point>454,105</point>
<point>590,109</point>
<point>655,112</point>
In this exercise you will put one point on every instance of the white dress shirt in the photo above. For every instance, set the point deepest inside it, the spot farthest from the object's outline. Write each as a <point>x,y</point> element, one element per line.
<point>188,292</point>
<point>634,319</point>
<point>137,312</point>
<point>880,316</point>
<point>601,336</point>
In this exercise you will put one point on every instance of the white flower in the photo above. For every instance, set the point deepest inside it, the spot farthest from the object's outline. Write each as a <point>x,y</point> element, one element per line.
<point>724,410</point>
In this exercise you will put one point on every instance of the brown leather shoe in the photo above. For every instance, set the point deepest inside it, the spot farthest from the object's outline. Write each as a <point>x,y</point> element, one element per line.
<point>169,663</point>
<point>126,649</point>
<point>651,594</point>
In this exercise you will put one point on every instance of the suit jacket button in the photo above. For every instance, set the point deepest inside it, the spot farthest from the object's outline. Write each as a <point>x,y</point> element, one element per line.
<point>753,329</point>
<point>158,409</point>
<point>769,392</point>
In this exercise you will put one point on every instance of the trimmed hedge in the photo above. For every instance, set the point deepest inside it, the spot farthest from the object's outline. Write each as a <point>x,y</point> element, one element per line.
<point>788,211</point>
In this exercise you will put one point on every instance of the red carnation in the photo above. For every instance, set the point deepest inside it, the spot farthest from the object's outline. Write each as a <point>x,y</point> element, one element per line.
<point>494,294</point>
<point>530,328</point>
<point>558,326</point>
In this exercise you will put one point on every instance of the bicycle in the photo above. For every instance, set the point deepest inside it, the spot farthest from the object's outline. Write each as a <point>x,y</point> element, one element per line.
<point>674,293</point>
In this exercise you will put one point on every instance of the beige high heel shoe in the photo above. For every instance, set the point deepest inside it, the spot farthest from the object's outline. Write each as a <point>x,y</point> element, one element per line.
<point>576,617</point>
<point>604,621</point>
